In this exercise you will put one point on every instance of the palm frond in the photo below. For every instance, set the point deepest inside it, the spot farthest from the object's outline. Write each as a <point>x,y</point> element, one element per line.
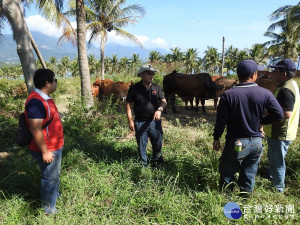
<point>43,3</point>
<point>126,34</point>
<point>69,34</point>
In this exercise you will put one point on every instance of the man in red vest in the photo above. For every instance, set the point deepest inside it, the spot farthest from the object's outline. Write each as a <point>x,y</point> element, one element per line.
<point>47,135</point>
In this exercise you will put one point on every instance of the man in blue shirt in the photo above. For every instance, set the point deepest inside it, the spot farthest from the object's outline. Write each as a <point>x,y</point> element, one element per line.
<point>241,109</point>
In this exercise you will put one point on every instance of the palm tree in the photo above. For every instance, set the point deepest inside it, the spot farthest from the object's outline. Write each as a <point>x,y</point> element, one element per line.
<point>168,58</point>
<point>231,60</point>
<point>12,11</point>
<point>92,64</point>
<point>74,68</point>
<point>124,62</point>
<point>199,66</point>
<point>135,62</point>
<point>84,71</point>
<point>64,65</point>
<point>114,63</point>
<point>177,57</point>
<point>52,60</point>
<point>285,44</point>
<point>52,64</point>
<point>106,64</point>
<point>177,54</point>
<point>106,15</point>
<point>212,60</point>
<point>242,55</point>
<point>154,56</point>
<point>229,65</point>
<point>190,59</point>
<point>258,52</point>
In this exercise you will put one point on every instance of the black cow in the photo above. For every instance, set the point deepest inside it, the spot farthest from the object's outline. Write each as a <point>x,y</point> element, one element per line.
<point>189,86</point>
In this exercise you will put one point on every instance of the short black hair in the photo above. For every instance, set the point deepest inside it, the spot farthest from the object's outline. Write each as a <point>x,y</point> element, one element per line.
<point>41,76</point>
<point>244,76</point>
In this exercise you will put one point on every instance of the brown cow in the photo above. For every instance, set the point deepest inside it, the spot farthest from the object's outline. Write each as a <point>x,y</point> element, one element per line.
<point>107,87</point>
<point>266,82</point>
<point>95,90</point>
<point>224,83</point>
<point>188,86</point>
<point>263,73</point>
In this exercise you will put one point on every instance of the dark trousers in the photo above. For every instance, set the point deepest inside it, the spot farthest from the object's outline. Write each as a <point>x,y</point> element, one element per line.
<point>153,130</point>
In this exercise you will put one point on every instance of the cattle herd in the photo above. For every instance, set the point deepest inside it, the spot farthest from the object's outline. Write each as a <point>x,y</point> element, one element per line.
<point>188,87</point>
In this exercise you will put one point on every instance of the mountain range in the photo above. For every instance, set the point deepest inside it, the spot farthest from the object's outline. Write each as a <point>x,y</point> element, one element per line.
<point>48,47</point>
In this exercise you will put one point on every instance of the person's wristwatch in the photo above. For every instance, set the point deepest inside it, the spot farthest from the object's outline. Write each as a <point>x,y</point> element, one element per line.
<point>160,109</point>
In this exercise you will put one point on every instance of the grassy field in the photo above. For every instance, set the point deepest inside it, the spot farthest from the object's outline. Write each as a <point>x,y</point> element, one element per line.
<point>103,183</point>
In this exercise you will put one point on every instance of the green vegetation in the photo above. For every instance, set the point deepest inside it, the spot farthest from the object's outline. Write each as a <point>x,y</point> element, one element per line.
<point>103,183</point>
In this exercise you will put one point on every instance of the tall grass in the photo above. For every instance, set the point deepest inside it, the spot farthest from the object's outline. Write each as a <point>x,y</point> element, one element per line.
<point>102,181</point>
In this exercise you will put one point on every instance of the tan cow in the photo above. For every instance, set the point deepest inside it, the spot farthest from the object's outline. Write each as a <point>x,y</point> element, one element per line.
<point>107,87</point>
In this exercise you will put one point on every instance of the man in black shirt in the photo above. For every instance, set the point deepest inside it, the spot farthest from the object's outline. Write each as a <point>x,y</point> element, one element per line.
<point>241,109</point>
<point>149,101</point>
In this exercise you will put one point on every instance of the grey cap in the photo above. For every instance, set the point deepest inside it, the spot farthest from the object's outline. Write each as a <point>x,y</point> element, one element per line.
<point>147,67</point>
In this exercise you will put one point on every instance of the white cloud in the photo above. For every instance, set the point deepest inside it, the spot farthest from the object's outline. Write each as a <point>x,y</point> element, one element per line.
<point>161,43</point>
<point>45,47</point>
<point>143,39</point>
<point>146,41</point>
<point>38,23</point>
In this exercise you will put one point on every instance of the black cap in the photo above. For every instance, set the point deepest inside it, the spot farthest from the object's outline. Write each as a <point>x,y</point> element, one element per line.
<point>247,67</point>
<point>286,64</point>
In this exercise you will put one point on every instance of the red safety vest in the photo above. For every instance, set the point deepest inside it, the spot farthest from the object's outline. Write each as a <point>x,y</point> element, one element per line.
<point>53,133</point>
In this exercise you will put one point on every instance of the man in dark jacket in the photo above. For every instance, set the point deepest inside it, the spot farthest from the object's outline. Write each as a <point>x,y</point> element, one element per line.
<point>241,109</point>
<point>149,101</point>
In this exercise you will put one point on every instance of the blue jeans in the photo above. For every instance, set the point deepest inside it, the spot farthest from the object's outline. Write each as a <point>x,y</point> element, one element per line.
<point>152,129</point>
<point>49,179</point>
<point>246,160</point>
<point>276,153</point>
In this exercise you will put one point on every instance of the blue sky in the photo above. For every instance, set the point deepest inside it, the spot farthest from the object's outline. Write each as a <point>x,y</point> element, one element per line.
<point>191,23</point>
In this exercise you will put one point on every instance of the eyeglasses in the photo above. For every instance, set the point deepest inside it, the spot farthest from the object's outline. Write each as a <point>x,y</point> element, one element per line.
<point>55,80</point>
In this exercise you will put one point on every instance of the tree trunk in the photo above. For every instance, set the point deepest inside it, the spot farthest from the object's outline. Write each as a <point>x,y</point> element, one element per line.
<point>12,11</point>
<point>86,92</point>
<point>102,57</point>
<point>37,51</point>
<point>222,68</point>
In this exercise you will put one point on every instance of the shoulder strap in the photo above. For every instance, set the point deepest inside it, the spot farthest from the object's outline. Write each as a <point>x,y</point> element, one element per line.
<point>47,123</point>
<point>47,108</point>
